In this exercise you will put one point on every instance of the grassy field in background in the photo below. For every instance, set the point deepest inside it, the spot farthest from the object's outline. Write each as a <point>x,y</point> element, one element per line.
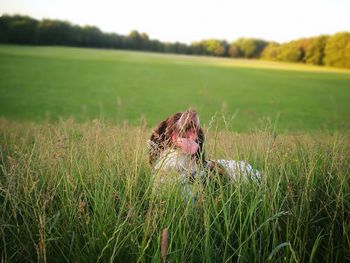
<point>84,193</point>
<point>46,83</point>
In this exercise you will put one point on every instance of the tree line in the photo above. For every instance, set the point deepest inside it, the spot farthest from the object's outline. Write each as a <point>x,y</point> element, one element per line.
<point>330,50</point>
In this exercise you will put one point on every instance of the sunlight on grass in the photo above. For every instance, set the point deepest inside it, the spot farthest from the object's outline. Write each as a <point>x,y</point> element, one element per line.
<point>84,192</point>
<point>49,83</point>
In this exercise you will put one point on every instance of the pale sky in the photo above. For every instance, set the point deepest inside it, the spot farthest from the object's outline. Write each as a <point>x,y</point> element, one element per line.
<point>193,20</point>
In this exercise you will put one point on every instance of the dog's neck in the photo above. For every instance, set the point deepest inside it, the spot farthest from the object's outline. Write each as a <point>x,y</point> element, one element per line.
<point>174,160</point>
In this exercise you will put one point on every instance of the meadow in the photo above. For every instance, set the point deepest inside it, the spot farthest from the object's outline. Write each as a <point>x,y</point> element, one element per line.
<point>48,83</point>
<point>84,192</point>
<point>76,186</point>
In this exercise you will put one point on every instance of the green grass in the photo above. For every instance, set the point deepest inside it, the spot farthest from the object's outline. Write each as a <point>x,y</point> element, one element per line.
<point>84,192</point>
<point>48,83</point>
<point>75,184</point>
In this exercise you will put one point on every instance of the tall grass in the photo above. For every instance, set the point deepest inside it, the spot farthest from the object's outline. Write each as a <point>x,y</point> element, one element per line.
<point>84,193</point>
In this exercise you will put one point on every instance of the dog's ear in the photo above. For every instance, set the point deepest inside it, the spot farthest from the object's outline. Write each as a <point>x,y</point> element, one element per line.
<point>161,137</point>
<point>157,141</point>
<point>165,128</point>
<point>159,133</point>
<point>200,155</point>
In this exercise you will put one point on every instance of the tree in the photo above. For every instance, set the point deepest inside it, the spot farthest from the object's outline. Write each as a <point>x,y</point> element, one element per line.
<point>315,50</point>
<point>18,29</point>
<point>180,48</point>
<point>214,47</point>
<point>144,38</point>
<point>55,32</point>
<point>134,40</point>
<point>92,37</point>
<point>4,29</point>
<point>330,50</point>
<point>271,51</point>
<point>197,48</point>
<point>290,52</point>
<point>250,47</point>
<point>337,50</point>
<point>234,51</point>
<point>157,46</point>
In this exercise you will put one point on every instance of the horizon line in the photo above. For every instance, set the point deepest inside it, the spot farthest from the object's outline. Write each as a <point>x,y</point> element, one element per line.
<point>165,41</point>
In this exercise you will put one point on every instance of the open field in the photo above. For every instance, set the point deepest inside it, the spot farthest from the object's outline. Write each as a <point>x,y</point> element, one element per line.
<point>76,186</point>
<point>46,83</point>
<point>83,193</point>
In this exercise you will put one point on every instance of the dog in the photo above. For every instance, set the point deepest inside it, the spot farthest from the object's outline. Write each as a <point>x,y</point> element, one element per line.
<point>177,146</point>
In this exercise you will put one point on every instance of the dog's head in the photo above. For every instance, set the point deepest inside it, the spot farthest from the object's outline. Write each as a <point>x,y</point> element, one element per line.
<point>181,132</point>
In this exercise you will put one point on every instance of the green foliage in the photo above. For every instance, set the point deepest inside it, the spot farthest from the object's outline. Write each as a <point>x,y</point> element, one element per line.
<point>18,29</point>
<point>315,50</point>
<point>135,40</point>
<point>234,51</point>
<point>212,47</point>
<point>271,51</point>
<point>215,47</point>
<point>197,48</point>
<point>176,47</point>
<point>55,32</point>
<point>250,48</point>
<point>25,30</point>
<point>85,193</point>
<point>337,50</point>
<point>290,52</point>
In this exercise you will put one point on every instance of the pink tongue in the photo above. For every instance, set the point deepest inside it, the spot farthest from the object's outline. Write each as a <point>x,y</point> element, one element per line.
<point>188,146</point>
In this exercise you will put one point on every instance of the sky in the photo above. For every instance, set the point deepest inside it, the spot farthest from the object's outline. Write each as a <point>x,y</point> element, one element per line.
<point>193,20</point>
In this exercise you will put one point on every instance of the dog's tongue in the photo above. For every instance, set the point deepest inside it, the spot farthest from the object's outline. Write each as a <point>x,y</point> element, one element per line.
<point>188,146</point>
